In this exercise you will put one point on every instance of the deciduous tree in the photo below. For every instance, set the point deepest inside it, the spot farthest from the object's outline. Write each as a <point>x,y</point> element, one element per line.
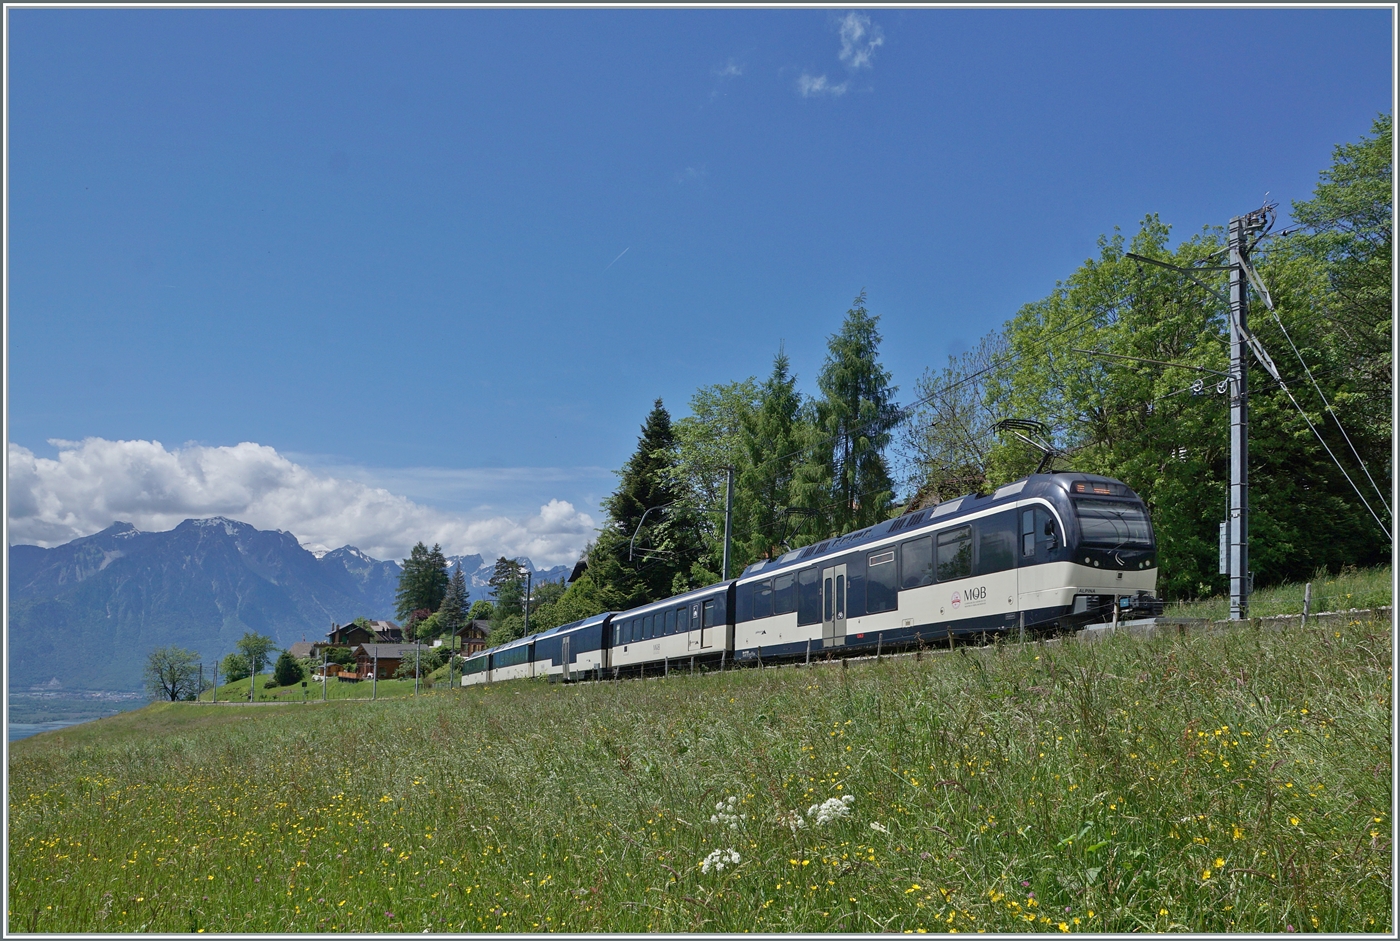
<point>172,673</point>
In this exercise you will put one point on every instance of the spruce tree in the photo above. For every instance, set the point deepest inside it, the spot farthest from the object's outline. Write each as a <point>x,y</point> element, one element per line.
<point>772,440</point>
<point>453,612</point>
<point>423,581</point>
<point>847,482</point>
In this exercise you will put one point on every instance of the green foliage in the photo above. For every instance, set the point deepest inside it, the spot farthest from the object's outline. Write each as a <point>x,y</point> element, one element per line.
<point>234,667</point>
<point>257,649</point>
<point>709,440</point>
<point>506,629</point>
<point>287,670</point>
<point>508,584</point>
<point>845,484</point>
<point>453,610</point>
<point>426,629</point>
<point>669,543</point>
<point>422,582</point>
<point>772,442</point>
<point>578,601</point>
<point>172,673</point>
<point>482,610</point>
<point>341,655</point>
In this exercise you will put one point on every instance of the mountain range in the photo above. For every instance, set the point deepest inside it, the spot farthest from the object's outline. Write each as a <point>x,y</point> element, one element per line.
<point>86,614</point>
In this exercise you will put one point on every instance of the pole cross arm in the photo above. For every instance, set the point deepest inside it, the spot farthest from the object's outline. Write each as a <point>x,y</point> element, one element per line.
<point>1185,271</point>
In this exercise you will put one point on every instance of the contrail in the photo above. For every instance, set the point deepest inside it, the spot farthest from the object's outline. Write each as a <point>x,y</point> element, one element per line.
<point>620,254</point>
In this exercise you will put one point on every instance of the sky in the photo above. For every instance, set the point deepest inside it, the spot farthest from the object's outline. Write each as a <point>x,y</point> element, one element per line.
<point>376,276</point>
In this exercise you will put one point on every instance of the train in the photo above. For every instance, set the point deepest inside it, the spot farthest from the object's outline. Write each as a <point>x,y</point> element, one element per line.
<point>1049,553</point>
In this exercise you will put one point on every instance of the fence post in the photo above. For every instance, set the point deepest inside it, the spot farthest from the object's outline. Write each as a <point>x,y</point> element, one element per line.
<point>1307,602</point>
<point>721,659</point>
<point>879,642</point>
<point>808,661</point>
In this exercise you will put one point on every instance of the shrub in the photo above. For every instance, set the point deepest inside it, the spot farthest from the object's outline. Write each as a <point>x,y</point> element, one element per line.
<point>287,671</point>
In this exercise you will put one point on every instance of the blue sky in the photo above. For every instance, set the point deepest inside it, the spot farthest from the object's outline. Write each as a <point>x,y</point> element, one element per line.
<point>455,254</point>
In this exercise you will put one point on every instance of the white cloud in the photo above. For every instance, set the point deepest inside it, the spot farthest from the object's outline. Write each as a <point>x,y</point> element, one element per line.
<point>859,40</point>
<point>812,85</point>
<point>731,69</point>
<point>95,482</point>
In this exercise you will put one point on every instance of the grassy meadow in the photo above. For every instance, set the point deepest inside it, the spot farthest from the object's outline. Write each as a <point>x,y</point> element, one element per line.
<point>1351,588</point>
<point>1229,781</point>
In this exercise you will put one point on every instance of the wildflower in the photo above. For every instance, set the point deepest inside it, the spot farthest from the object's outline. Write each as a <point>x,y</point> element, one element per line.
<point>880,828</point>
<point>717,860</point>
<point>724,814</point>
<point>831,809</point>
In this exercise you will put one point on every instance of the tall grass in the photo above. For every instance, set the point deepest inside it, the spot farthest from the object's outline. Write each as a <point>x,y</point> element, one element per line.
<point>1236,781</point>
<point>1350,589</point>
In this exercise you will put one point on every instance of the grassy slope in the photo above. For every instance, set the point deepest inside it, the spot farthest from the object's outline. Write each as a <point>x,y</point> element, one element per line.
<point>1365,588</point>
<point>1237,781</point>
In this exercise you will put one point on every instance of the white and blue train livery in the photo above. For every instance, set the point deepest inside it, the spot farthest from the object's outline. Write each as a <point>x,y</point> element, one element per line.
<point>1048,552</point>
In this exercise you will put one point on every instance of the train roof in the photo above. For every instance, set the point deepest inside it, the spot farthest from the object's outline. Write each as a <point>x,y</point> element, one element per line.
<point>693,594</point>
<point>1032,486</point>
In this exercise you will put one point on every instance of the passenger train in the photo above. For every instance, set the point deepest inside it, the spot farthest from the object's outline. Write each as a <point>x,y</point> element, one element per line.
<point>1047,553</point>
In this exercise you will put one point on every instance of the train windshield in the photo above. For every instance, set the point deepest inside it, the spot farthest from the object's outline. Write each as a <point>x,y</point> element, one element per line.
<point>1113,524</point>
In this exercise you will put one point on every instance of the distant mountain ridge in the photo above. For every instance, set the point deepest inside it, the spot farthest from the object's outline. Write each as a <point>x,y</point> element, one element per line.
<point>88,612</point>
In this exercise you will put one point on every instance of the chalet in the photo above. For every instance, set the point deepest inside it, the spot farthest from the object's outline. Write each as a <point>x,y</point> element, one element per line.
<point>386,657</point>
<point>302,649</point>
<point>352,635</point>
<point>471,636</point>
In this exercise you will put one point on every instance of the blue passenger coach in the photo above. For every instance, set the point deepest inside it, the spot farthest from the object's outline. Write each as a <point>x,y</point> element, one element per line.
<point>1047,552</point>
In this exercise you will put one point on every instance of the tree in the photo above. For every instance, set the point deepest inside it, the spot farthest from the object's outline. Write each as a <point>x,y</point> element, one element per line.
<point>172,673</point>
<point>846,482</point>
<point>256,648</point>
<point>667,546</point>
<point>709,440</point>
<point>234,667</point>
<point>422,582</point>
<point>772,442</point>
<point>453,611</point>
<point>507,581</point>
<point>947,440</point>
<point>482,610</point>
<point>287,671</point>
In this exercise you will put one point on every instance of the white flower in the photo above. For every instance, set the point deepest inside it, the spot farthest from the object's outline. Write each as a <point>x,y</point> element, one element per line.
<point>831,809</point>
<point>792,820</point>
<point>882,829</point>
<point>717,860</point>
<point>726,817</point>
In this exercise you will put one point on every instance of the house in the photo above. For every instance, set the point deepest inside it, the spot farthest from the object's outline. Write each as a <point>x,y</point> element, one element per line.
<point>352,635</point>
<point>386,657</point>
<point>302,649</point>
<point>471,636</point>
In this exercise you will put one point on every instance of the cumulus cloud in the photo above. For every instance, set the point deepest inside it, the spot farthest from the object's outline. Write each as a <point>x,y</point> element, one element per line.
<point>731,69</point>
<point>859,40</point>
<point>96,482</point>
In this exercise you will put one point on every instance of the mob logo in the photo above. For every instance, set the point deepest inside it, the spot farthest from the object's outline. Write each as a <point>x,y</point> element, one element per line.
<point>957,599</point>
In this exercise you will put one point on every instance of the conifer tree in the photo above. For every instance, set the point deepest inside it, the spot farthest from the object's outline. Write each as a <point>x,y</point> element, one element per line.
<point>845,483</point>
<point>453,612</point>
<point>423,581</point>
<point>772,441</point>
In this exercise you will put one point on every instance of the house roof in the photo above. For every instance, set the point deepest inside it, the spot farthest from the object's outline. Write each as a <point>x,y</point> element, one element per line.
<point>390,651</point>
<point>301,649</point>
<point>478,626</point>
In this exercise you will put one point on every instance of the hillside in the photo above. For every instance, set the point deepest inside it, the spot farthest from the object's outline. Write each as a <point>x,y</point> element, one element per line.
<point>87,613</point>
<point>1236,781</point>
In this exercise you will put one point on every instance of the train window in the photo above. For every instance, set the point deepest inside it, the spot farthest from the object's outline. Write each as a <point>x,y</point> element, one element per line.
<point>682,620</point>
<point>1028,533</point>
<point>840,596</point>
<point>784,595</point>
<point>916,563</point>
<point>671,621</point>
<point>743,602</point>
<point>1113,523</point>
<point>955,553</point>
<point>763,600</point>
<point>709,614</point>
<point>826,598</point>
<point>647,625</point>
<point>809,597</point>
<point>695,617</point>
<point>996,544</point>
<point>881,582</point>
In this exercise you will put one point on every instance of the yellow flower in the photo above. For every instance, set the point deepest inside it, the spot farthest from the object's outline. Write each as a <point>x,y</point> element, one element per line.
<point>1219,863</point>
<point>1205,875</point>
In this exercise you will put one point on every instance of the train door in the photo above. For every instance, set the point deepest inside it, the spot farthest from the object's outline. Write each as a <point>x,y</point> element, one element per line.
<point>695,637</point>
<point>564,655</point>
<point>834,606</point>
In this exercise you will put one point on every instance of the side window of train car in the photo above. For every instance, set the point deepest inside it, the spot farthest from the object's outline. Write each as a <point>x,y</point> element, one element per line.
<point>784,595</point>
<point>648,631</point>
<point>996,544</point>
<point>763,600</point>
<point>881,582</point>
<point>809,597</point>
<point>1028,533</point>
<point>916,563</point>
<point>695,617</point>
<point>743,602</point>
<point>955,553</point>
<point>709,614</point>
<point>671,622</point>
